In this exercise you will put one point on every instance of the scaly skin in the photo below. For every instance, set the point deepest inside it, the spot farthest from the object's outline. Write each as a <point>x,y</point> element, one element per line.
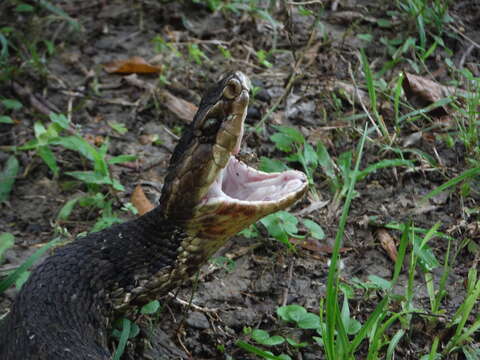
<point>65,308</point>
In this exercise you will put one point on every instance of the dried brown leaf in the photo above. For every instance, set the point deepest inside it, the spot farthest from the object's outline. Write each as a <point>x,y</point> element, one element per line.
<point>423,92</point>
<point>183,109</point>
<point>427,89</point>
<point>314,245</point>
<point>388,243</point>
<point>133,65</point>
<point>140,201</point>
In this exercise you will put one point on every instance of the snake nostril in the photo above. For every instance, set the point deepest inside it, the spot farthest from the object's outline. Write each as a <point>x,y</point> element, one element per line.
<point>232,89</point>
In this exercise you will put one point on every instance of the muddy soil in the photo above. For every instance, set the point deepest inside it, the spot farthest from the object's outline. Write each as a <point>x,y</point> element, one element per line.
<point>265,274</point>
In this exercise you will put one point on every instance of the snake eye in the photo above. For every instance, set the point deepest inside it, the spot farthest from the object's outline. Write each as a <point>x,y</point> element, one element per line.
<point>232,89</point>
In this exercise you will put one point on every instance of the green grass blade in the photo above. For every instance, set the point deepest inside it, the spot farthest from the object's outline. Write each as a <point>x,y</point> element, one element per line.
<point>10,279</point>
<point>468,174</point>
<point>396,98</point>
<point>369,79</point>
<point>332,291</point>
<point>393,344</point>
<point>383,164</point>
<point>7,177</point>
<point>4,44</point>
<point>469,332</point>
<point>78,144</point>
<point>433,349</point>
<point>6,242</point>
<point>60,13</point>
<point>47,155</point>
<point>125,334</point>
<point>342,337</point>
<point>439,103</point>
<point>402,249</point>
<point>372,93</point>
<point>254,350</point>
<point>367,327</point>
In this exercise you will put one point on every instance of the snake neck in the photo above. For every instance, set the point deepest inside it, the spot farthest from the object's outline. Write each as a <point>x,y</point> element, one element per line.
<point>73,294</point>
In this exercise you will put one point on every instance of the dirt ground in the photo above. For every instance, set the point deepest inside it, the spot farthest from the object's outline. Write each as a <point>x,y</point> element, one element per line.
<point>265,274</point>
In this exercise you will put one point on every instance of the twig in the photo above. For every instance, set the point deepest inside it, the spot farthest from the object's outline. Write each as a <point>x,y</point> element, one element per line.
<point>289,282</point>
<point>301,3</point>
<point>464,36</point>
<point>465,55</point>
<point>41,106</point>
<point>190,304</point>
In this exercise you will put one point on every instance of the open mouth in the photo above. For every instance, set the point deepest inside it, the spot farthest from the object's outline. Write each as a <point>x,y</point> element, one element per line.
<point>242,184</point>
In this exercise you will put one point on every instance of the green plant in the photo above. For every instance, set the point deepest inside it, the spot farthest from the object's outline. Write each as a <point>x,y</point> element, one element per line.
<point>7,177</point>
<point>426,16</point>
<point>262,337</point>
<point>20,275</point>
<point>44,137</point>
<point>100,175</point>
<point>378,121</point>
<point>92,200</point>
<point>463,333</point>
<point>29,48</point>
<point>160,45</point>
<point>467,175</point>
<point>124,329</point>
<point>196,54</point>
<point>282,225</point>
<point>290,140</point>
<point>10,105</point>
<point>339,174</point>
<point>467,116</point>
<point>262,56</point>
<point>47,137</point>
<point>223,262</point>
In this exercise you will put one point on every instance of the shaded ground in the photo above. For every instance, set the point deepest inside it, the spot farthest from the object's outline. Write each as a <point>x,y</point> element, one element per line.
<point>266,275</point>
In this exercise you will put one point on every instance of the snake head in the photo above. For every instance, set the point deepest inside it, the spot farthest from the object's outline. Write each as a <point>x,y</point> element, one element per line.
<point>215,194</point>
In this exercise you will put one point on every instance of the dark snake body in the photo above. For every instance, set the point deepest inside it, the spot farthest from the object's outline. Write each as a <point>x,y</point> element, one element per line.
<point>65,308</point>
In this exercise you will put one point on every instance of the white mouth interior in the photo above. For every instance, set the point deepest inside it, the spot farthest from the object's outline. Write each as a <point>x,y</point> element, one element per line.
<point>238,182</point>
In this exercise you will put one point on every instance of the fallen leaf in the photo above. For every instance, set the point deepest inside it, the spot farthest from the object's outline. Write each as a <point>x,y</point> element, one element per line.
<point>314,245</point>
<point>183,109</point>
<point>348,17</point>
<point>311,53</point>
<point>427,89</point>
<point>388,243</point>
<point>140,201</point>
<point>133,65</point>
<point>351,93</point>
<point>423,92</point>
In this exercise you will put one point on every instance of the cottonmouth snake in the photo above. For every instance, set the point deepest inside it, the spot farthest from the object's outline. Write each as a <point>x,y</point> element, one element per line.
<point>64,309</point>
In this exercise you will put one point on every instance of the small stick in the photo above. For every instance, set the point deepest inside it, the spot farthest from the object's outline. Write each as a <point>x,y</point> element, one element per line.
<point>289,282</point>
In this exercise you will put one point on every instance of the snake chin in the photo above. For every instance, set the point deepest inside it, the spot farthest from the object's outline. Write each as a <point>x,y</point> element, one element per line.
<point>242,184</point>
